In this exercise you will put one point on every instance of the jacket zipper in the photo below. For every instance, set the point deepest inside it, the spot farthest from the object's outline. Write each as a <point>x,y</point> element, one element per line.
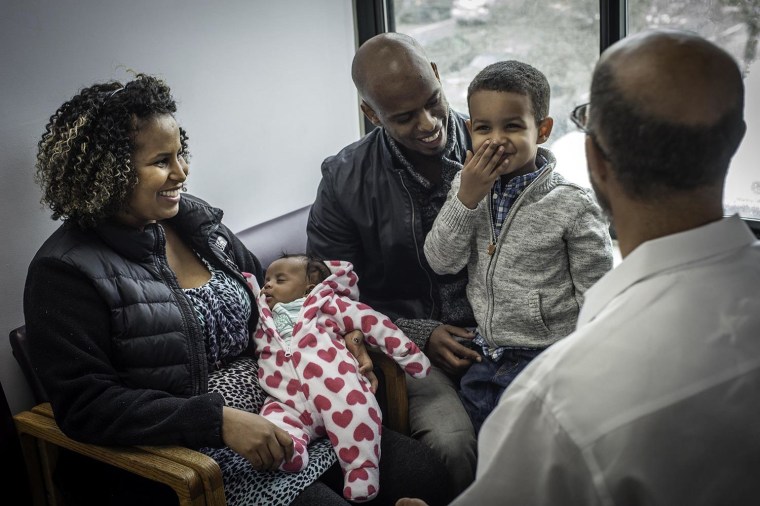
<point>491,269</point>
<point>417,249</point>
<point>188,318</point>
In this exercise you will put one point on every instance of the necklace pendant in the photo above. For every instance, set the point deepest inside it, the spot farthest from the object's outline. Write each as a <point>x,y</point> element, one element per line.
<point>491,249</point>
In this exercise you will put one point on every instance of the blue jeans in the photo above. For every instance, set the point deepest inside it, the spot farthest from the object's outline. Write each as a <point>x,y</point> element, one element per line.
<point>482,385</point>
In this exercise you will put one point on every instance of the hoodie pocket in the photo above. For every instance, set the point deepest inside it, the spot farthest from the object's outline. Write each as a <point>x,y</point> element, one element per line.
<point>537,315</point>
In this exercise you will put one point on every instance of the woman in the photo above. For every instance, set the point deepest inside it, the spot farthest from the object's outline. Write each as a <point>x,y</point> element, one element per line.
<point>139,316</point>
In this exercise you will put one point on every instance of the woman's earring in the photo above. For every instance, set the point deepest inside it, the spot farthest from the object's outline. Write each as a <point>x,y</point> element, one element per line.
<point>184,187</point>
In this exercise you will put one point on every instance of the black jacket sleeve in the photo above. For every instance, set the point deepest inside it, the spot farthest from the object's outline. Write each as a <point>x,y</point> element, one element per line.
<point>69,327</point>
<point>331,235</point>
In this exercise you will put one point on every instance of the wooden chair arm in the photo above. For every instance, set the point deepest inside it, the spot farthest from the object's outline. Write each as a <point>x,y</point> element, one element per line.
<point>195,477</point>
<point>392,393</point>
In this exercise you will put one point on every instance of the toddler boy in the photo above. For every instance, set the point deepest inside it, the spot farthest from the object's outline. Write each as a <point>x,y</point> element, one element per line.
<point>532,242</point>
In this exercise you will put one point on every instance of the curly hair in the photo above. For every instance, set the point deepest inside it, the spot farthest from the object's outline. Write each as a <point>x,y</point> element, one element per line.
<point>84,160</point>
<point>515,77</point>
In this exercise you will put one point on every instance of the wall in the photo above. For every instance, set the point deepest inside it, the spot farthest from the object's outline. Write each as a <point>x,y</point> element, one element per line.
<point>263,87</point>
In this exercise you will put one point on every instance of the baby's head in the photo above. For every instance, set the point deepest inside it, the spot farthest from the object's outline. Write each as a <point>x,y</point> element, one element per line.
<point>291,277</point>
<point>509,105</point>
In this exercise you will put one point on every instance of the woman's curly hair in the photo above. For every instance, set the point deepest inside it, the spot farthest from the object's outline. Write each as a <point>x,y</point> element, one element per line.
<point>84,160</point>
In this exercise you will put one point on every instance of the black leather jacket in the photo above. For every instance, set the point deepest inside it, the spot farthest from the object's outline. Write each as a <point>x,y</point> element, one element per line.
<point>365,214</point>
<point>117,344</point>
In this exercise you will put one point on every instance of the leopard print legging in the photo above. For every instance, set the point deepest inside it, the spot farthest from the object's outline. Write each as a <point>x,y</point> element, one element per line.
<point>243,486</point>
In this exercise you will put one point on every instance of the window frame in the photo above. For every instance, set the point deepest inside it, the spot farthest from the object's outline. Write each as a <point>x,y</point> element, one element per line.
<point>377,16</point>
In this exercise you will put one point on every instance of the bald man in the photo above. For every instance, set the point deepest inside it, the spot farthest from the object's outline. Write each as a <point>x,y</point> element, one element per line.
<point>376,202</point>
<point>655,398</point>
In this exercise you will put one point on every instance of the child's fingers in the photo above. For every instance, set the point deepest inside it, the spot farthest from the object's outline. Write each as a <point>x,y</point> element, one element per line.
<point>487,159</point>
<point>475,161</point>
<point>491,166</point>
<point>503,167</point>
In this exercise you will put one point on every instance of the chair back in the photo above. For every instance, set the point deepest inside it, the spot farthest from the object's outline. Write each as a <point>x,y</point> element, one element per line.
<point>20,347</point>
<point>284,234</point>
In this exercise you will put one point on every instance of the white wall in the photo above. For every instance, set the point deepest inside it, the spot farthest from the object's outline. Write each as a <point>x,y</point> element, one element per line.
<point>263,86</point>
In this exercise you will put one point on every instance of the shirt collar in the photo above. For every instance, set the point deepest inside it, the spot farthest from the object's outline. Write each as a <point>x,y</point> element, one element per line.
<point>522,182</point>
<point>289,307</point>
<point>659,255</point>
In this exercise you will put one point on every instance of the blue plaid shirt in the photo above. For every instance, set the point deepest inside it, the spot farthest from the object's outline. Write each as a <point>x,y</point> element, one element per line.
<point>502,200</point>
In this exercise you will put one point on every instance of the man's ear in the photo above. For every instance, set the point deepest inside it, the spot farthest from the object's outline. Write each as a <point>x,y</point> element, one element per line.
<point>370,113</point>
<point>435,71</point>
<point>545,129</point>
<point>597,164</point>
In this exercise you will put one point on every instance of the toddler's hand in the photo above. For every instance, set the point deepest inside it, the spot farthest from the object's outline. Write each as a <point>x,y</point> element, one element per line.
<point>480,172</point>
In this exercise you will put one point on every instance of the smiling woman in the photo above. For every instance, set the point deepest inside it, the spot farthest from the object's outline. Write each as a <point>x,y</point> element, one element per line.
<point>105,125</point>
<point>161,171</point>
<point>139,315</point>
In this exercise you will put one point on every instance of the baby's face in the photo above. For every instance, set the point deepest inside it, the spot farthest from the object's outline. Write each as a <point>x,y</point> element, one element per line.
<point>285,281</point>
<point>506,119</point>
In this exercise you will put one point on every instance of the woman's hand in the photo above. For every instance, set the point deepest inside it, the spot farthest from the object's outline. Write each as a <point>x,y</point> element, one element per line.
<point>355,344</point>
<point>257,439</point>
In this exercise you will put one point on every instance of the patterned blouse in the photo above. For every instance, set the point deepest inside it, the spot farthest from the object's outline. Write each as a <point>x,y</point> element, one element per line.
<point>223,308</point>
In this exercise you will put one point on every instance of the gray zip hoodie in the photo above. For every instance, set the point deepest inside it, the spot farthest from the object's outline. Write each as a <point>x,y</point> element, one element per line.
<point>554,244</point>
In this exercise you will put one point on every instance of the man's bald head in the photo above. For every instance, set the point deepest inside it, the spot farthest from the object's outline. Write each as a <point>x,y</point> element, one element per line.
<point>668,107</point>
<point>675,76</point>
<point>402,93</point>
<point>385,59</point>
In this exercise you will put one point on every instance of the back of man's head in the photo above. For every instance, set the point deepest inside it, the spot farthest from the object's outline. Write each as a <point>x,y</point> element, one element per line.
<point>667,108</point>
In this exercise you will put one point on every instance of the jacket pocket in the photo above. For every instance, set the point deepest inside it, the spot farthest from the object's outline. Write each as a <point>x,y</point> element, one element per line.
<point>537,315</point>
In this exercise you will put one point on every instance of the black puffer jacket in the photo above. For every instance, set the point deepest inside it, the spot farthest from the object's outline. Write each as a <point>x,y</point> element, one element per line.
<point>364,213</point>
<point>116,343</point>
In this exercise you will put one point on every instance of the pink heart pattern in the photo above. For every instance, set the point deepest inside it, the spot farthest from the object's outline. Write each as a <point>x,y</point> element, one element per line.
<point>274,380</point>
<point>348,455</point>
<point>334,384</point>
<point>342,305</point>
<point>312,370</point>
<point>313,382</point>
<point>327,355</point>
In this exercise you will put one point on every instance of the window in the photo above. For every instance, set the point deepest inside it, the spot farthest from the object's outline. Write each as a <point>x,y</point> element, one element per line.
<point>734,25</point>
<point>562,40</point>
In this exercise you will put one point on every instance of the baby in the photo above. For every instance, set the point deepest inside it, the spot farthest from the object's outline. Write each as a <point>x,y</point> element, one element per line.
<point>312,380</point>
